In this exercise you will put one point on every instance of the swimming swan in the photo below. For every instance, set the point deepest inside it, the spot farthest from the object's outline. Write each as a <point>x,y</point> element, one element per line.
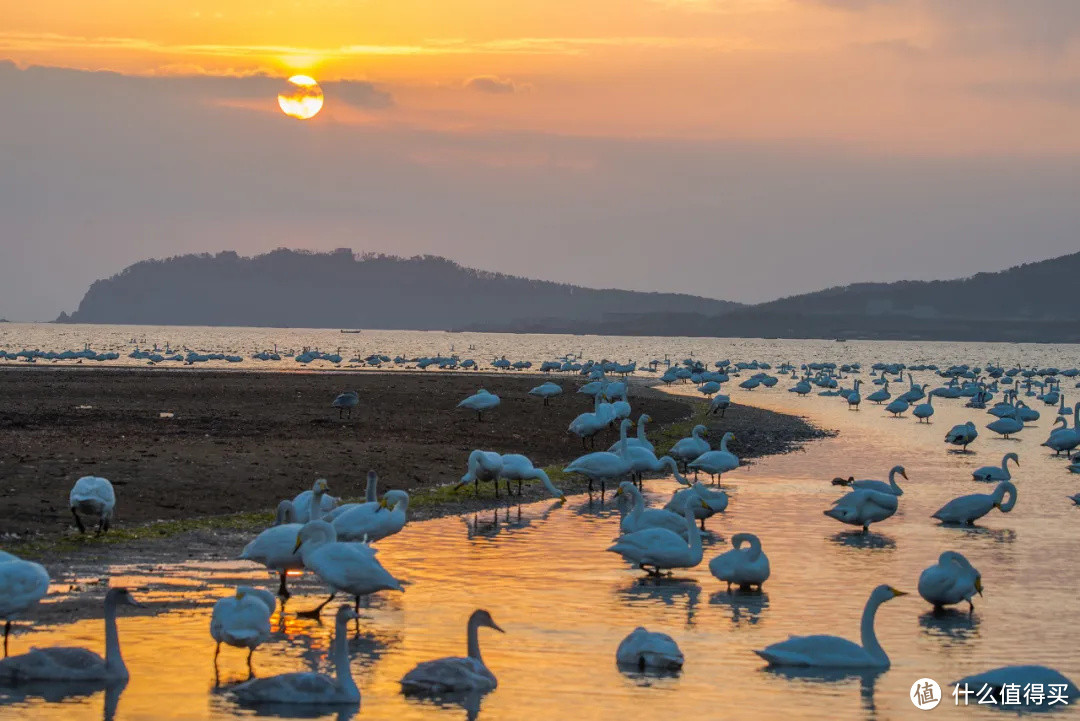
<point>75,664</point>
<point>880,486</point>
<point>1023,677</point>
<point>309,688</point>
<point>744,567</point>
<point>832,651</point>
<point>661,548</point>
<point>447,675</point>
<point>968,509</point>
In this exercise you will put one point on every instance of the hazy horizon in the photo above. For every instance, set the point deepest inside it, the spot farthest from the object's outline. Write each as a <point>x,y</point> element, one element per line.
<point>742,149</point>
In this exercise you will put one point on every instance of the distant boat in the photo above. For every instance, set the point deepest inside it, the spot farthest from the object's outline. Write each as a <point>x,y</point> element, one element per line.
<point>841,340</point>
<point>352,331</point>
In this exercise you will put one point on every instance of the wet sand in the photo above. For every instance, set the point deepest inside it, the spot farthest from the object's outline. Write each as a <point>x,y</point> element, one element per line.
<point>240,442</point>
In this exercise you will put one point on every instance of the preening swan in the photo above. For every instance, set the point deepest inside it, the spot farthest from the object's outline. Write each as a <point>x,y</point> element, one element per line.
<point>863,507</point>
<point>242,620</point>
<point>744,567</point>
<point>483,466</point>
<point>719,404</point>
<point>74,664</point>
<point>891,487</point>
<point>345,567</point>
<point>644,649</point>
<point>996,473</point>
<point>968,509</point>
<point>833,651</point>
<point>371,524</point>
<point>661,548</point>
<point>951,580</point>
<point>447,675</point>
<point>22,585</point>
<point>702,500</point>
<point>92,496</point>
<point>962,435</point>
<point>308,688</point>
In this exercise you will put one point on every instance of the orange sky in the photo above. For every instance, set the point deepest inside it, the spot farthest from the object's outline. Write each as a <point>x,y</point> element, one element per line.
<point>902,76</point>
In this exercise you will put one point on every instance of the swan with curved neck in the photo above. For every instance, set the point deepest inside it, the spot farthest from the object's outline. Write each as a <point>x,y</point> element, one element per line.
<point>75,664</point>
<point>447,675</point>
<point>516,467</point>
<point>880,486</point>
<point>744,567</point>
<point>661,548</point>
<point>309,688</point>
<point>951,580</point>
<point>968,509</point>
<point>997,473</point>
<point>640,517</point>
<point>832,651</point>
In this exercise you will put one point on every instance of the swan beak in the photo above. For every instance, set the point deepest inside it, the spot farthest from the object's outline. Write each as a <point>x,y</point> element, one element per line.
<point>299,542</point>
<point>896,593</point>
<point>382,503</point>
<point>978,585</point>
<point>904,474</point>
<point>997,504</point>
<point>497,627</point>
<point>562,498</point>
<point>705,505</point>
<point>618,492</point>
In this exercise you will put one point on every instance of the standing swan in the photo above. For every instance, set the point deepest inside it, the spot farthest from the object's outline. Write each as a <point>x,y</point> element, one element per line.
<point>951,580</point>
<point>661,548</point>
<point>968,509</point>
<point>603,466</point>
<point>862,507</point>
<point>275,547</point>
<point>447,675</point>
<point>516,467</point>
<point>718,462</point>
<point>744,568</point>
<point>94,496</point>
<point>371,524</point>
<point>242,620</point>
<point>687,449</point>
<point>22,585</point>
<point>997,473</point>
<point>832,651</point>
<point>923,411</point>
<point>75,664</point>
<point>348,567</point>
<point>962,435</point>
<point>644,649</point>
<point>309,688</point>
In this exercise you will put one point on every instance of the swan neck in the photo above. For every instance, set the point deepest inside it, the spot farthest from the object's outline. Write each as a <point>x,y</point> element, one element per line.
<point>345,680</point>
<point>696,552</point>
<point>869,637</point>
<point>316,505</point>
<point>372,494</point>
<point>1003,489</point>
<point>474,640</point>
<point>114,662</point>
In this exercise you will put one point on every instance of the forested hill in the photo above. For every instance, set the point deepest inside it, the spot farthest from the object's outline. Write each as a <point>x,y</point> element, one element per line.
<point>289,288</point>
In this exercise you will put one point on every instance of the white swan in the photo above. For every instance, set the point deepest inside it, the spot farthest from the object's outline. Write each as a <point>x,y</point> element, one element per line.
<point>373,524</point>
<point>345,567</point>
<point>480,401</point>
<point>687,449</point>
<point>346,402</point>
<point>644,649</point>
<point>717,462</point>
<point>881,486</point>
<point>853,398</point>
<point>641,439</point>
<point>968,509</point>
<point>93,496</point>
<point>275,547</point>
<point>371,497</point>
<point>743,567</point>
<point>719,404</point>
<point>863,507</point>
<point>898,407</point>
<point>832,651</point>
<point>305,502</point>
<point>1007,425</point>
<point>516,467</point>
<point>996,679</point>
<point>587,425</point>
<point>448,675</point>
<point>242,620</point>
<point>661,548</point>
<point>881,395</point>
<point>996,473</point>
<point>74,664</point>
<point>923,411</point>
<point>951,580</point>
<point>483,466</point>
<point>547,391</point>
<point>22,585</point>
<point>693,497</point>
<point>641,517</point>
<point>962,435</point>
<point>602,466</point>
<point>308,688</point>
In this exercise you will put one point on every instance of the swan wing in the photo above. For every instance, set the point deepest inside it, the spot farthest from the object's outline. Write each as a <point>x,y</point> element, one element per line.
<point>60,663</point>
<point>351,567</point>
<point>22,584</point>
<point>448,674</point>
<point>821,650</point>
<point>288,688</point>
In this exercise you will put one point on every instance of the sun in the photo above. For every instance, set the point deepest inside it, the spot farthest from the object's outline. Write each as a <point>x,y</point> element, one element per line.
<point>301,98</point>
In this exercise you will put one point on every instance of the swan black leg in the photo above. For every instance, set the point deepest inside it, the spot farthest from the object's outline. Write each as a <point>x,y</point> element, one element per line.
<point>283,590</point>
<point>78,521</point>
<point>315,612</point>
<point>7,631</point>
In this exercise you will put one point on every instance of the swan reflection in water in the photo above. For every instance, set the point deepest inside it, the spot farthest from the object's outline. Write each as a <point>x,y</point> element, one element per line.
<point>806,676</point>
<point>976,533</point>
<point>953,627</point>
<point>671,592</point>
<point>869,540</point>
<point>60,691</point>
<point>513,518</point>
<point>746,606</point>
<point>469,701</point>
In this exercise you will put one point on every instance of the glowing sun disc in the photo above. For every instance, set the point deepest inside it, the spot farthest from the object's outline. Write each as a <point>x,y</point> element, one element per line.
<point>302,98</point>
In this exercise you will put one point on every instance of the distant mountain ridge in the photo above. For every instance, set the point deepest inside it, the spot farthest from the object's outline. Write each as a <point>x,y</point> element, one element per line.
<point>301,289</point>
